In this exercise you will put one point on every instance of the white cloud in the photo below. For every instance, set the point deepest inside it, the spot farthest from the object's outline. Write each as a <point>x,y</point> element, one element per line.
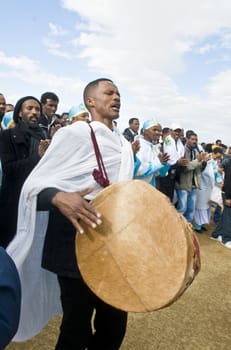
<point>219,87</point>
<point>51,44</point>
<point>207,48</point>
<point>141,46</point>
<point>60,53</point>
<point>226,40</point>
<point>54,47</point>
<point>56,30</point>
<point>22,69</point>
<point>135,38</point>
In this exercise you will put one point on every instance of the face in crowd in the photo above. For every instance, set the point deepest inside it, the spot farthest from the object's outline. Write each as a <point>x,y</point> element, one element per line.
<point>192,141</point>
<point>2,104</point>
<point>134,125</point>
<point>103,102</point>
<point>83,117</point>
<point>153,133</point>
<point>30,112</point>
<point>9,107</point>
<point>49,108</point>
<point>176,134</point>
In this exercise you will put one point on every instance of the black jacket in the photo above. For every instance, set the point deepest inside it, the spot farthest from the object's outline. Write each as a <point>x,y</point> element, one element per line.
<point>227,180</point>
<point>44,125</point>
<point>18,153</point>
<point>129,135</point>
<point>59,246</point>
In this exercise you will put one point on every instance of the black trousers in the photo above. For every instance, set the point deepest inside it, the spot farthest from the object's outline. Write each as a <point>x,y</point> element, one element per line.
<point>223,227</point>
<point>167,186</point>
<point>79,303</point>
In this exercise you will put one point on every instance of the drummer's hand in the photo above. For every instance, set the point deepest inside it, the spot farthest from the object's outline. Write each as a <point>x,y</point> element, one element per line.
<point>75,207</point>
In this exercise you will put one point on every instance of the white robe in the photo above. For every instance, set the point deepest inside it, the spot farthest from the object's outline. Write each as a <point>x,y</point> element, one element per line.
<point>175,149</point>
<point>67,165</point>
<point>210,178</point>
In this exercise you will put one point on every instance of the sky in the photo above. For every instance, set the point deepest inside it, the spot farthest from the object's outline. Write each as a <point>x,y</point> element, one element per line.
<point>171,60</point>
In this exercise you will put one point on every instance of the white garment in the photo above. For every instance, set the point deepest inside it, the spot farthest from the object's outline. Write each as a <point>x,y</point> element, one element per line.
<point>175,149</point>
<point>203,206</point>
<point>207,183</point>
<point>202,217</point>
<point>149,161</point>
<point>67,165</point>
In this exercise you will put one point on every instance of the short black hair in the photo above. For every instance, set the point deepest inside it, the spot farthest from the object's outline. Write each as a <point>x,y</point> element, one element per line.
<point>49,96</point>
<point>211,147</point>
<point>131,120</point>
<point>190,133</point>
<point>208,147</point>
<point>165,130</point>
<point>92,85</point>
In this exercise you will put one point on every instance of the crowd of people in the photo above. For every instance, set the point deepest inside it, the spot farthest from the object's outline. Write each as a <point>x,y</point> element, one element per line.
<point>48,178</point>
<point>195,176</point>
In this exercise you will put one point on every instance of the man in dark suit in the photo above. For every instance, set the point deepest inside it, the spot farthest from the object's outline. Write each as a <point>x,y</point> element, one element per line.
<point>132,131</point>
<point>49,102</point>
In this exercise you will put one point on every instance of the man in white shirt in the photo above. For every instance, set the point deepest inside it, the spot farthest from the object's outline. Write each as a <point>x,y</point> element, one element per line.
<point>173,146</point>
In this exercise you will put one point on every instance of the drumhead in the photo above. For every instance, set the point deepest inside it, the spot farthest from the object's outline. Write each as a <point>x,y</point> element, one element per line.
<point>140,258</point>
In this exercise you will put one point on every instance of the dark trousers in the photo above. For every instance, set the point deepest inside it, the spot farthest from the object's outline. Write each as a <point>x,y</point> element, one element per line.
<point>217,214</point>
<point>78,303</point>
<point>224,226</point>
<point>167,186</point>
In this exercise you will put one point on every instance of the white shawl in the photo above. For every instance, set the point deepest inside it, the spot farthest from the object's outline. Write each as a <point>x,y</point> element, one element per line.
<point>66,165</point>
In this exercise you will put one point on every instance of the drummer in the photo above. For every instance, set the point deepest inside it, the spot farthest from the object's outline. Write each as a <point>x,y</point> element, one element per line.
<point>63,184</point>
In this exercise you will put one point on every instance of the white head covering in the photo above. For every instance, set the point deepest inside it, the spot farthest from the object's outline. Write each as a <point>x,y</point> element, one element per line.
<point>176,126</point>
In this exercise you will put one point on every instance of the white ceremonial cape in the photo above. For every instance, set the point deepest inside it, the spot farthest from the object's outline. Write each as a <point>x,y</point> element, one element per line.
<point>67,165</point>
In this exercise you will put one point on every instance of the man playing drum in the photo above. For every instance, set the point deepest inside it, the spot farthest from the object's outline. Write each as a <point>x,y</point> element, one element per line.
<point>60,188</point>
<point>63,184</point>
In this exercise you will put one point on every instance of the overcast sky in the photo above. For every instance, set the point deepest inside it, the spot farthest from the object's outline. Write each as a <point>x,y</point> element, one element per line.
<point>171,60</point>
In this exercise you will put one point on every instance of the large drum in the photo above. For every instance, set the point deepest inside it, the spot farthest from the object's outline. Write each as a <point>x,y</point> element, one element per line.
<point>144,255</point>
